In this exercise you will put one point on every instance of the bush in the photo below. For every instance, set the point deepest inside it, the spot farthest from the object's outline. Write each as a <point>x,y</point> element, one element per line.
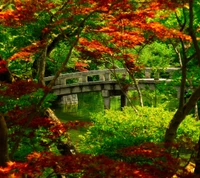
<point>114,130</point>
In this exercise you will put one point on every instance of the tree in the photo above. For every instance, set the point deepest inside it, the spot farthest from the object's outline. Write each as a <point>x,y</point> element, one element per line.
<point>188,56</point>
<point>127,29</point>
<point>101,30</point>
<point>4,156</point>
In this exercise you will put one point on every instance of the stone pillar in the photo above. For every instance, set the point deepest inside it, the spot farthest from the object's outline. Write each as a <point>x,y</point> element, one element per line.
<point>58,81</point>
<point>101,77</point>
<point>107,76</point>
<point>106,98</point>
<point>83,78</point>
<point>123,100</point>
<point>147,74</point>
<point>156,75</point>
<point>106,102</point>
<point>69,99</point>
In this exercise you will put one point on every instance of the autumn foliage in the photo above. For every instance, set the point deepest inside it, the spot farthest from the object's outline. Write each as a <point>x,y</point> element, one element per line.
<point>147,160</point>
<point>96,30</point>
<point>3,67</point>
<point>157,164</point>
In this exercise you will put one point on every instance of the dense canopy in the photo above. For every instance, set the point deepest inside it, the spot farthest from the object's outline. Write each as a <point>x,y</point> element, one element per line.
<point>49,37</point>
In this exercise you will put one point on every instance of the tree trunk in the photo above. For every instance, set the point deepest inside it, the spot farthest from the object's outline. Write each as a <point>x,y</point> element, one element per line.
<point>4,158</point>
<point>41,66</point>
<point>124,91</point>
<point>182,86</point>
<point>172,128</point>
<point>179,116</point>
<point>65,148</point>
<point>138,90</point>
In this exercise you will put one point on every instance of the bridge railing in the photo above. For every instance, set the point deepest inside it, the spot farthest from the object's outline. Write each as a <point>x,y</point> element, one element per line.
<point>107,75</point>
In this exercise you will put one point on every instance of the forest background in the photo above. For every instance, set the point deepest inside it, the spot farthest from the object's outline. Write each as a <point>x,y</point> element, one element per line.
<point>41,38</point>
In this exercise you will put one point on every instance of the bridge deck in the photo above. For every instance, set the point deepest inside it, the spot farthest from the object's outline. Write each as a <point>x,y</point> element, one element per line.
<point>106,81</point>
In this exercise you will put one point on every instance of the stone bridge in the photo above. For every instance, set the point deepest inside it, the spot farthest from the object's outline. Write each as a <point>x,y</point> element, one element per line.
<point>109,82</point>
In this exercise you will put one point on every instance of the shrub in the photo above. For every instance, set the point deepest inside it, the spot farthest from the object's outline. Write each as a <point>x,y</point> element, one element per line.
<point>114,130</point>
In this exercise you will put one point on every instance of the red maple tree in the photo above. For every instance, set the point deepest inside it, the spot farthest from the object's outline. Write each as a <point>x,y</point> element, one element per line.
<point>127,24</point>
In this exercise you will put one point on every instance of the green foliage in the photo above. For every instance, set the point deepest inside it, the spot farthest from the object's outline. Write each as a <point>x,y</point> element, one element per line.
<point>32,141</point>
<point>58,55</point>
<point>114,130</point>
<point>86,99</point>
<point>193,75</point>
<point>26,101</point>
<point>164,95</point>
<point>22,69</point>
<point>117,129</point>
<point>157,55</point>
